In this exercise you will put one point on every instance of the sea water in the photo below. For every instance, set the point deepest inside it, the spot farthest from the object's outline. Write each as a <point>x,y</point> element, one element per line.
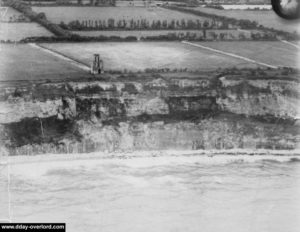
<point>180,193</point>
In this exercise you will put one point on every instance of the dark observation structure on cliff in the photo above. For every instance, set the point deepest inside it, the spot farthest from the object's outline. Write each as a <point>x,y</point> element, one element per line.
<point>97,66</point>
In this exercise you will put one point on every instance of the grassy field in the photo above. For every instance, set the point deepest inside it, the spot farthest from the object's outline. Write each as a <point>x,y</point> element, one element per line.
<point>265,18</point>
<point>67,14</point>
<point>23,62</point>
<point>142,55</point>
<point>273,53</point>
<point>18,31</point>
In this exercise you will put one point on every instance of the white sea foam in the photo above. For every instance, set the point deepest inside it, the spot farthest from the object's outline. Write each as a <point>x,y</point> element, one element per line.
<point>159,191</point>
<point>34,166</point>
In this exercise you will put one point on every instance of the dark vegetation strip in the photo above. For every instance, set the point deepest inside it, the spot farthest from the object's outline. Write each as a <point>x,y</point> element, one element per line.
<point>78,38</point>
<point>158,38</point>
<point>140,24</point>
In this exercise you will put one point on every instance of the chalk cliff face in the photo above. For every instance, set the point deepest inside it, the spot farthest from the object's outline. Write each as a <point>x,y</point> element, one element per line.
<point>279,98</point>
<point>151,112</point>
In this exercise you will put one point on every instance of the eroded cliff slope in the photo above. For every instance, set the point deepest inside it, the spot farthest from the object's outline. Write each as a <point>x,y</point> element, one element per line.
<point>225,110</point>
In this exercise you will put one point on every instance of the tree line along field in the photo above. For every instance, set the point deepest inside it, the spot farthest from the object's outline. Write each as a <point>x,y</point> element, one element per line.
<point>68,14</point>
<point>23,62</point>
<point>265,18</point>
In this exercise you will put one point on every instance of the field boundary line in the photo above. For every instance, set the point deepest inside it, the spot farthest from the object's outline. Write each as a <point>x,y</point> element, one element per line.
<point>70,60</point>
<point>230,54</point>
<point>292,44</point>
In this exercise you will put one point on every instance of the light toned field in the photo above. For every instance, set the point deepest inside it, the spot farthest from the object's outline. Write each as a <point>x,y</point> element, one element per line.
<point>23,62</point>
<point>67,14</point>
<point>141,55</point>
<point>265,18</point>
<point>15,26</point>
<point>18,31</point>
<point>8,13</point>
<point>274,53</point>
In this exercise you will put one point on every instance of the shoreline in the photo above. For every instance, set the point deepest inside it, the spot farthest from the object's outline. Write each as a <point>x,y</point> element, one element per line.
<point>235,154</point>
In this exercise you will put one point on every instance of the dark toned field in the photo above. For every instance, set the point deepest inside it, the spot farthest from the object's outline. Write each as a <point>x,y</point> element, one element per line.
<point>23,62</point>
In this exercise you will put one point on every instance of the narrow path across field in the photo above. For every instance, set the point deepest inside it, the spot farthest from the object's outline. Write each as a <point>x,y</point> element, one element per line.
<point>292,44</point>
<point>62,56</point>
<point>230,54</point>
<point>283,41</point>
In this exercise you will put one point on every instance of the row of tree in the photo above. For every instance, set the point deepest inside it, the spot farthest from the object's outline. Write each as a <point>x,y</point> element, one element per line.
<point>190,36</point>
<point>71,3</point>
<point>142,24</point>
<point>241,23</point>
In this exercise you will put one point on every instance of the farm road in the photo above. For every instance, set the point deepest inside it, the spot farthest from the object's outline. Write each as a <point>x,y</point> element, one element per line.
<point>292,44</point>
<point>230,54</point>
<point>62,56</point>
<point>283,41</point>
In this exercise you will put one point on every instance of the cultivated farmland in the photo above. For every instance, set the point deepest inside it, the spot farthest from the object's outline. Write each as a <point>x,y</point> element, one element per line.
<point>142,55</point>
<point>68,14</point>
<point>265,18</point>
<point>23,62</point>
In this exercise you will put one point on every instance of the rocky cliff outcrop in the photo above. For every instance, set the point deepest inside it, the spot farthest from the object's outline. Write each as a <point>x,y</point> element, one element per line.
<point>152,112</point>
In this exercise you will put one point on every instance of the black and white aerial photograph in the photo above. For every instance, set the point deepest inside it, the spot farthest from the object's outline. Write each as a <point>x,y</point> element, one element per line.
<point>150,116</point>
